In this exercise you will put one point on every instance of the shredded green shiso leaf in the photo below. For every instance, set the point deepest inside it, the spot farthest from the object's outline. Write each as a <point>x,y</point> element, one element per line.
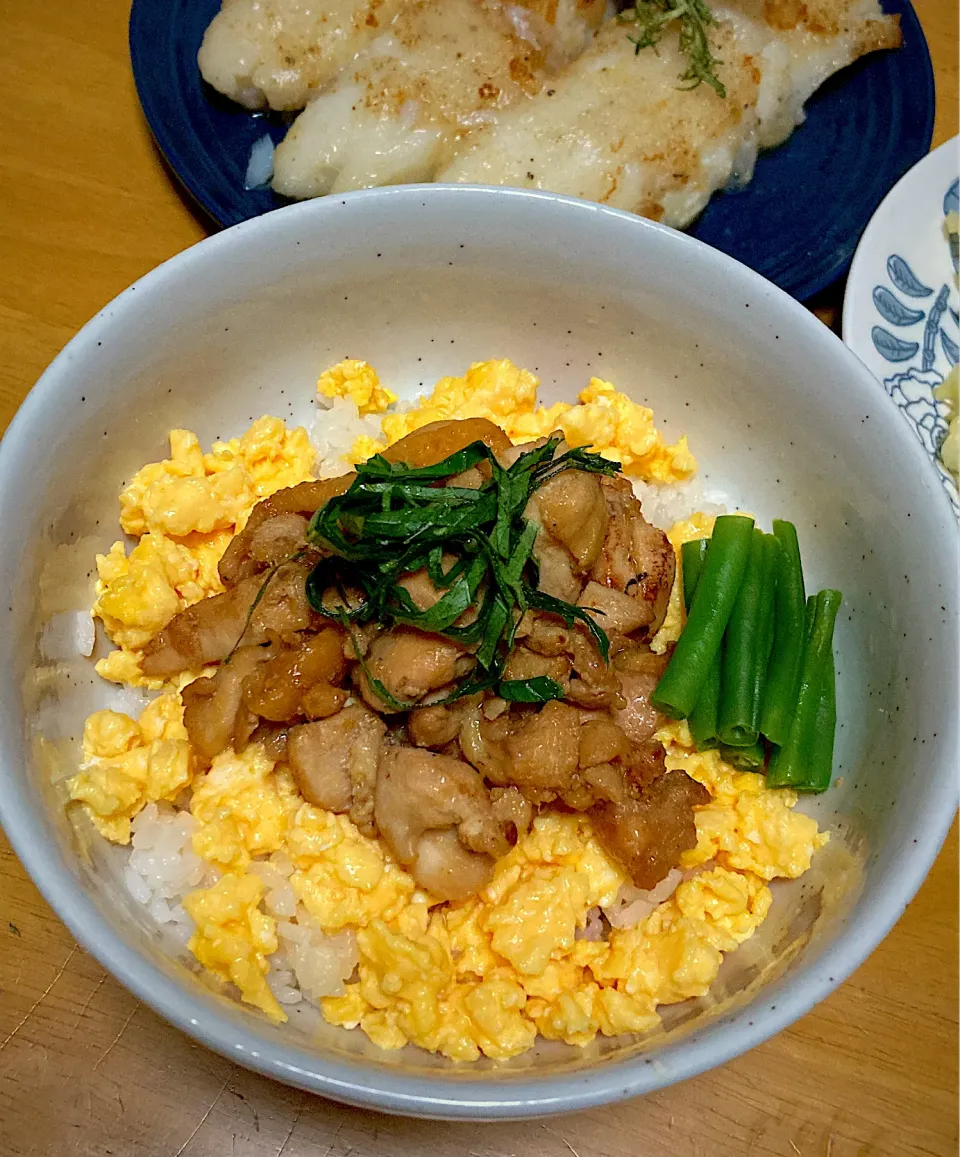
<point>475,545</point>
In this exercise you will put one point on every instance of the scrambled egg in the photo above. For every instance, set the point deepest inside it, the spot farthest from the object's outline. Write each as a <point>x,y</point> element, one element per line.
<point>948,392</point>
<point>128,764</point>
<point>488,975</point>
<point>233,938</point>
<point>604,420</point>
<point>243,809</point>
<point>483,977</point>
<point>247,809</point>
<point>184,511</point>
<point>747,826</point>
<point>359,382</point>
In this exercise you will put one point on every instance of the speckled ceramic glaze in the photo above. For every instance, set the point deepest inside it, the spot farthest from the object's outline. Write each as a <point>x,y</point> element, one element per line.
<point>421,281</point>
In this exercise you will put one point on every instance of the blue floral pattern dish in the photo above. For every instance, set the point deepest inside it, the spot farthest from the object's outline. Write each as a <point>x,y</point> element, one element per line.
<point>901,312</point>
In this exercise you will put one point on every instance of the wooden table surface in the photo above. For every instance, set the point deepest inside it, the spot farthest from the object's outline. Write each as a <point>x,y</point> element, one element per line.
<point>86,207</point>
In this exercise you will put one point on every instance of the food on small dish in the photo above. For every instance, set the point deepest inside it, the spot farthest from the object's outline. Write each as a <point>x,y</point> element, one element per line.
<point>281,53</point>
<point>615,127</point>
<point>406,762</point>
<point>438,71</point>
<point>277,54</point>
<point>948,392</point>
<point>536,95</point>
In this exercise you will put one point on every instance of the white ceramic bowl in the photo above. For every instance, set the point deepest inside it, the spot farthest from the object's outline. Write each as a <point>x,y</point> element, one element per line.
<point>421,281</point>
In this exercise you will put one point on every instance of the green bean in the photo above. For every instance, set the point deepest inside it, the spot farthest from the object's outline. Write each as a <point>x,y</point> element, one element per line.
<point>703,717</point>
<point>699,642</point>
<point>772,553</point>
<point>745,648</point>
<point>783,675</point>
<point>805,761</point>
<point>750,758</point>
<point>820,758</point>
<point>692,555</point>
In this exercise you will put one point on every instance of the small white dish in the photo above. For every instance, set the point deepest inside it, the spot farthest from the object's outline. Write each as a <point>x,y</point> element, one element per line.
<point>900,311</point>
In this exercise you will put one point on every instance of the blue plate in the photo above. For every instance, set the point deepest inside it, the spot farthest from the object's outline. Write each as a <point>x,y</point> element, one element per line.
<point>797,222</point>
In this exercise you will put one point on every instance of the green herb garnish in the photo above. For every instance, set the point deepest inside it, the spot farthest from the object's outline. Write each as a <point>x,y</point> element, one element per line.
<point>540,689</point>
<point>653,17</point>
<point>475,545</point>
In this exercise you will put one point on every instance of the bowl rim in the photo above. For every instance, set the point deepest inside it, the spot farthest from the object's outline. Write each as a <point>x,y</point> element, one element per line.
<point>449,1095</point>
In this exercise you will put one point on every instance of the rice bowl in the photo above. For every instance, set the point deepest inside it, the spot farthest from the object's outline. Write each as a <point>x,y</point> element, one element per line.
<point>482,290</point>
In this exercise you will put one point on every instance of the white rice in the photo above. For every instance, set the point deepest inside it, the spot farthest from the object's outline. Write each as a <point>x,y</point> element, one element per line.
<point>317,963</point>
<point>67,634</point>
<point>162,867</point>
<point>663,505</point>
<point>339,424</point>
<point>632,905</point>
<point>278,899</point>
<point>334,431</point>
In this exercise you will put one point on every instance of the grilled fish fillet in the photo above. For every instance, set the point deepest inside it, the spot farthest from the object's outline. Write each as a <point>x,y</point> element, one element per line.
<point>277,53</point>
<point>440,69</point>
<point>615,128</point>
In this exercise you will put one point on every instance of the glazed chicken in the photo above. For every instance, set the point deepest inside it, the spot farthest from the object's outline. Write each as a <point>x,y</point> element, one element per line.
<point>438,819</point>
<point>366,717</point>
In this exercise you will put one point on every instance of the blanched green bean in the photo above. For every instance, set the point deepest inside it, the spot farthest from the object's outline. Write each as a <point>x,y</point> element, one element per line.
<point>750,758</point>
<point>805,761</point>
<point>783,675</point>
<point>714,599</point>
<point>772,553</point>
<point>692,555</point>
<point>745,647</point>
<point>820,754</point>
<point>703,717</point>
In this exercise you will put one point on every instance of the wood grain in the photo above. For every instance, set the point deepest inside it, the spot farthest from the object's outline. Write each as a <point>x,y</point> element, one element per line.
<point>86,207</point>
